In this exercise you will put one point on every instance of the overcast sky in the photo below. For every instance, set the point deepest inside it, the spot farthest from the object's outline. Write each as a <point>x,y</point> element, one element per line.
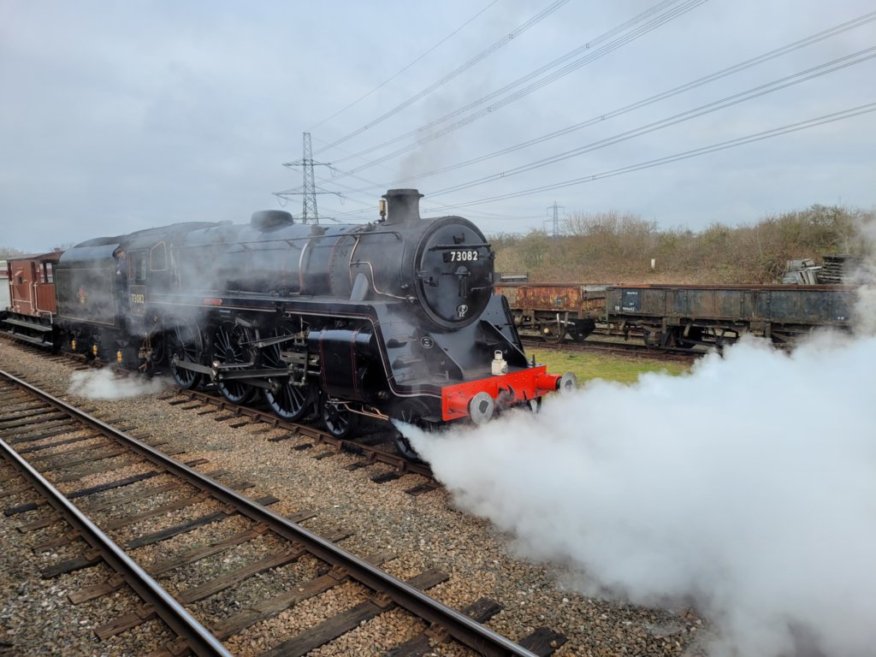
<point>117,116</point>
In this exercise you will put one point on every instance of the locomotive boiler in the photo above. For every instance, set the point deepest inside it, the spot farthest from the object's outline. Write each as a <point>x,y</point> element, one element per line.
<point>394,319</point>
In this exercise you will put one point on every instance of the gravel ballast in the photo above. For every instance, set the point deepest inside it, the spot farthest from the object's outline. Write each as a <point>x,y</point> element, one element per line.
<point>422,532</point>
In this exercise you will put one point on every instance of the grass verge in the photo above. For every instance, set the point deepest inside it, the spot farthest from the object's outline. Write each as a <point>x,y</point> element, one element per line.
<point>586,366</point>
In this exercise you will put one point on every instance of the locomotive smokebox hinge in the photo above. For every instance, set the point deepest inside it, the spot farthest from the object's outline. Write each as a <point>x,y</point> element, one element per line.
<point>427,278</point>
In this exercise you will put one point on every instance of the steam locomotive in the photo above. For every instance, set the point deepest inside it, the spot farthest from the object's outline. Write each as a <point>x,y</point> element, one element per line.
<point>394,319</point>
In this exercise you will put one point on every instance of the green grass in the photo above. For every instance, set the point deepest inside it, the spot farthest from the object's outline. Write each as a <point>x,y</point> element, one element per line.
<point>586,366</point>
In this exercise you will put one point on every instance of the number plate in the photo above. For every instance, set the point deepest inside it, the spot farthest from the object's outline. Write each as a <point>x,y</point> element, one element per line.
<point>461,255</point>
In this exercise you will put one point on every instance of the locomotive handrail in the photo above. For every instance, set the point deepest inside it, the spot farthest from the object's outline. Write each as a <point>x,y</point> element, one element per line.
<point>374,283</point>
<point>468,245</point>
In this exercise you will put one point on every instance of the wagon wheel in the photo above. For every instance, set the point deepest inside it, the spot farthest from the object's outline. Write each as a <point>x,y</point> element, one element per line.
<point>558,337</point>
<point>231,346</point>
<point>581,329</point>
<point>695,337</point>
<point>185,344</point>
<point>652,339</point>
<point>338,420</point>
<point>558,332</point>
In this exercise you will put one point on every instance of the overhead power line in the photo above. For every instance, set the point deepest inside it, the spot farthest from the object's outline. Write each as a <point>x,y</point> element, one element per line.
<point>604,116</point>
<point>680,117</point>
<point>405,68</point>
<point>695,152</point>
<point>420,135</point>
<point>505,40</point>
<point>584,48</point>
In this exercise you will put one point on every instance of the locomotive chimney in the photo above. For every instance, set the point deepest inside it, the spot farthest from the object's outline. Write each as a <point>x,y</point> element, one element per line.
<point>404,206</point>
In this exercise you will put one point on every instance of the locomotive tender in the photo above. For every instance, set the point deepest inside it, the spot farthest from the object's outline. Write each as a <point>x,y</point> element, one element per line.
<point>394,319</point>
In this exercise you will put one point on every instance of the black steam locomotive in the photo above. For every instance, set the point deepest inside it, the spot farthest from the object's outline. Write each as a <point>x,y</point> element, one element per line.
<point>391,319</point>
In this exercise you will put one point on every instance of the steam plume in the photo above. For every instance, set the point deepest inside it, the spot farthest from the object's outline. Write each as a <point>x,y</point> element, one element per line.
<point>747,487</point>
<point>865,276</point>
<point>103,384</point>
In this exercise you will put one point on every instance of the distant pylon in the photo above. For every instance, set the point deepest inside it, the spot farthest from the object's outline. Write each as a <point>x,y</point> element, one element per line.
<point>555,219</point>
<point>308,202</point>
<point>308,189</point>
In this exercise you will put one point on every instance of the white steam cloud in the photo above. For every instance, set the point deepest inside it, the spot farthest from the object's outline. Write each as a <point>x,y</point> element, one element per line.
<point>865,277</point>
<point>105,384</point>
<point>747,488</point>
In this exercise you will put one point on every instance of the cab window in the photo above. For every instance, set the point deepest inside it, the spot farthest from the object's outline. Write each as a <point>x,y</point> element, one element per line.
<point>158,257</point>
<point>138,267</point>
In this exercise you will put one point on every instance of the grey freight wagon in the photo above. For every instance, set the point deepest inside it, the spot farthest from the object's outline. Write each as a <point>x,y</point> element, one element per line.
<point>688,315</point>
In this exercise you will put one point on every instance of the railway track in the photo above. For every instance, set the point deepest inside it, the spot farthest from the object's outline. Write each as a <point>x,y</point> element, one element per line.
<point>148,498</point>
<point>375,447</point>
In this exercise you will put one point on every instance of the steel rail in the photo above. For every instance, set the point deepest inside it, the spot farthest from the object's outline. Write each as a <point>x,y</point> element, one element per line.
<point>457,625</point>
<point>199,639</point>
<point>399,462</point>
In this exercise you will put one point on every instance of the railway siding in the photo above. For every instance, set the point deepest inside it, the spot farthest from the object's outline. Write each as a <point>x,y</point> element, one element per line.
<point>672,317</point>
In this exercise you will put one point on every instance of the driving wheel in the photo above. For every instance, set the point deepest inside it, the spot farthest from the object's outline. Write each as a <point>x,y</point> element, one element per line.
<point>231,346</point>
<point>184,343</point>
<point>288,400</point>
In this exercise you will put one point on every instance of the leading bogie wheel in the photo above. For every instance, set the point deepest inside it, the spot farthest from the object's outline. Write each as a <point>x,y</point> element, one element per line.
<point>411,411</point>
<point>339,421</point>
